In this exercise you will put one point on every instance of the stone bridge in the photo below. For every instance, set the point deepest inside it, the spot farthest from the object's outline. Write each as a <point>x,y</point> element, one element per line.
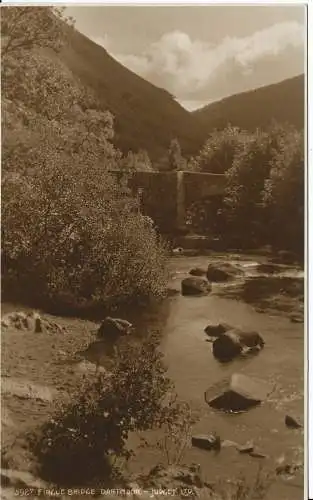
<point>166,196</point>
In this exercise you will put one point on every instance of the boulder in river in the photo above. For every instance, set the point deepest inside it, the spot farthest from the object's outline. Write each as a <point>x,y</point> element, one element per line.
<point>238,394</point>
<point>234,342</point>
<point>258,454</point>
<point>217,329</point>
<point>246,448</point>
<point>297,318</point>
<point>288,469</point>
<point>206,442</point>
<point>197,271</point>
<point>114,328</point>
<point>292,423</point>
<point>269,268</point>
<point>222,271</point>
<point>195,286</point>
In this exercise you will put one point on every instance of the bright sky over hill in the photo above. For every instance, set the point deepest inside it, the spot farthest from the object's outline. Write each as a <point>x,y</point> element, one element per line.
<point>201,53</point>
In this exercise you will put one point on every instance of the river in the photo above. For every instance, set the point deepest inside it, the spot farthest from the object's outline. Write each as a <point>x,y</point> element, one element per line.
<point>193,369</point>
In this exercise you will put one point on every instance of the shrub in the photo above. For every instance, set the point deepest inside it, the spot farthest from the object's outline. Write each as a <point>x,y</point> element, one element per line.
<point>176,430</point>
<point>75,446</point>
<point>70,232</point>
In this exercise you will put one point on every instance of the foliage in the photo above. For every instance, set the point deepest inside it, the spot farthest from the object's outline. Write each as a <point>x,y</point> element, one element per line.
<point>175,159</point>
<point>176,430</point>
<point>26,28</point>
<point>264,196</point>
<point>47,191</point>
<point>69,232</point>
<point>40,85</point>
<point>47,112</point>
<point>283,194</point>
<point>218,152</point>
<point>205,216</point>
<point>67,229</point>
<point>82,140</point>
<point>96,425</point>
<point>245,184</point>
<point>137,161</point>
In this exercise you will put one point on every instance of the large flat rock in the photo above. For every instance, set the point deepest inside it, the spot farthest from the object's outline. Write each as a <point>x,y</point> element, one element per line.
<point>239,393</point>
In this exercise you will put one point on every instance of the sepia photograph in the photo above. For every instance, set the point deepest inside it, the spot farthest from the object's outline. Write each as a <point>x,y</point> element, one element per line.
<point>153,247</point>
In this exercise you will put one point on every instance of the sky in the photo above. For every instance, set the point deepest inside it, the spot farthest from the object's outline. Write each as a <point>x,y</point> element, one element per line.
<point>201,54</point>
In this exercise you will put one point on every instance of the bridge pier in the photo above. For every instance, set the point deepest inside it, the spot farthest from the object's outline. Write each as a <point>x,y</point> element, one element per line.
<point>166,196</point>
<point>180,201</point>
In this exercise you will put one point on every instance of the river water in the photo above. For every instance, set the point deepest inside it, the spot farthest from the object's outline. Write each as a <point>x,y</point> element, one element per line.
<point>193,369</point>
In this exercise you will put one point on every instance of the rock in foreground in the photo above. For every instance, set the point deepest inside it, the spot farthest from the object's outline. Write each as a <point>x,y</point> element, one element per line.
<point>197,271</point>
<point>223,271</point>
<point>292,423</point>
<point>235,342</point>
<point>206,442</point>
<point>31,321</point>
<point>269,268</point>
<point>217,329</point>
<point>195,286</point>
<point>240,394</point>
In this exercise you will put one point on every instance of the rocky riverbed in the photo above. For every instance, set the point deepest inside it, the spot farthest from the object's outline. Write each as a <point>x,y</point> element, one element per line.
<point>38,368</point>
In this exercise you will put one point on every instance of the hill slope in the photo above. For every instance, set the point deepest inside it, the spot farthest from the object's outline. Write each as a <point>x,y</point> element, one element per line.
<point>282,102</point>
<point>145,116</point>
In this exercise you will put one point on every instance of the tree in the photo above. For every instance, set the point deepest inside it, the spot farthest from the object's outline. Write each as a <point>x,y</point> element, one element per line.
<point>244,212</point>
<point>27,28</point>
<point>175,158</point>
<point>43,104</point>
<point>218,152</point>
<point>245,184</point>
<point>283,194</point>
<point>137,161</point>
